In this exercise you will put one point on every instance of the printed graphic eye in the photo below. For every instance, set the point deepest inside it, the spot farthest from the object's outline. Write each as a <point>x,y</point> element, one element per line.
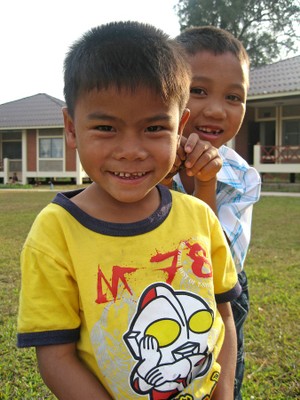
<point>200,321</point>
<point>165,331</point>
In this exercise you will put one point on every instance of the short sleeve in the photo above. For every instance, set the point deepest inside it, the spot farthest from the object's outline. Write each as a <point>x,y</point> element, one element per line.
<point>49,299</point>
<point>237,192</point>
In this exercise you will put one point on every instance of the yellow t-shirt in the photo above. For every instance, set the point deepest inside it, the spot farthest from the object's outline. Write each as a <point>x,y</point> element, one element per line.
<point>139,298</point>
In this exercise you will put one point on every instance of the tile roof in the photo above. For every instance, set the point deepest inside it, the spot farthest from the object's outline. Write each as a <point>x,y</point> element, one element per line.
<point>282,77</point>
<point>38,111</point>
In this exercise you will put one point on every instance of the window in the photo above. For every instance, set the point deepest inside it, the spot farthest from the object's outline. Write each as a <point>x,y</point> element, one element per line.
<point>267,133</point>
<point>12,150</point>
<point>50,148</point>
<point>291,132</point>
<point>11,135</point>
<point>291,125</point>
<point>291,111</point>
<point>266,113</point>
<point>11,145</point>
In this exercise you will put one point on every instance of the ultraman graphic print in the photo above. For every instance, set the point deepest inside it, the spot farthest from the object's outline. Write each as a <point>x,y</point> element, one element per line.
<point>167,338</point>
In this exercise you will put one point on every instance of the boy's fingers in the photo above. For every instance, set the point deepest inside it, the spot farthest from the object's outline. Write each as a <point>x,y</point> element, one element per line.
<point>207,170</point>
<point>201,155</point>
<point>183,141</point>
<point>210,169</point>
<point>193,142</point>
<point>199,158</point>
<point>180,156</point>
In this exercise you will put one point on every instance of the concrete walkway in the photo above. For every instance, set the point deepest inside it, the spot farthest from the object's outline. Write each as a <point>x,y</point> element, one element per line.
<point>281,194</point>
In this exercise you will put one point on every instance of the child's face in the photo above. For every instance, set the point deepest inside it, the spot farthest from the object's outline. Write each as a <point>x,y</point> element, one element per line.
<point>217,97</point>
<point>126,141</point>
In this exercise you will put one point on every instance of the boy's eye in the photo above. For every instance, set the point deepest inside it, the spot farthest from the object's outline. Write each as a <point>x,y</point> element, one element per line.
<point>154,128</point>
<point>235,98</point>
<point>104,128</point>
<point>197,91</point>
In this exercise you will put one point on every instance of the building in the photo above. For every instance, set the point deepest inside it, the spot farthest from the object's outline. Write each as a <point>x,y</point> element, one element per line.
<point>32,142</point>
<point>270,135</point>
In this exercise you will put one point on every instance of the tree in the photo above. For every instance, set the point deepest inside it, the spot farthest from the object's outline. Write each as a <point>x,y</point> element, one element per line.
<point>268,29</point>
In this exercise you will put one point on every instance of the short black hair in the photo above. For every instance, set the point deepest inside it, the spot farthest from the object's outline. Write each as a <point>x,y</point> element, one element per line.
<point>214,40</point>
<point>126,55</point>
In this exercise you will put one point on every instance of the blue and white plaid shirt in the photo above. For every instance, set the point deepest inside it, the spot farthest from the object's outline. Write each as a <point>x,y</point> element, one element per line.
<point>238,188</point>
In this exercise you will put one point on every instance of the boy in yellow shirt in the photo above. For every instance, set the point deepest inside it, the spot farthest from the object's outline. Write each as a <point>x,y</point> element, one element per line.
<point>125,284</point>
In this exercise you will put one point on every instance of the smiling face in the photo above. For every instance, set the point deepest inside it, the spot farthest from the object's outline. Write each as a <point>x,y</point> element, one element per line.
<point>217,96</point>
<point>127,141</point>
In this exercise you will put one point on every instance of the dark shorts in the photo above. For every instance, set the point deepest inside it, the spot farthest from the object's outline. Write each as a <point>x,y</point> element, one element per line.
<point>240,309</point>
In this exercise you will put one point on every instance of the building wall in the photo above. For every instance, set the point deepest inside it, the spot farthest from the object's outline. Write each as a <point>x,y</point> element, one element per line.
<point>31,150</point>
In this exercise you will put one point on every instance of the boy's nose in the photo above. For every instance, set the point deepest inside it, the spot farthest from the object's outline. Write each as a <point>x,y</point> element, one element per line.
<point>214,110</point>
<point>130,148</point>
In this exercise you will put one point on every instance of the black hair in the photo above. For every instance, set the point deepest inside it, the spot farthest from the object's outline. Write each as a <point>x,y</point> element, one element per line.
<point>126,55</point>
<point>214,40</point>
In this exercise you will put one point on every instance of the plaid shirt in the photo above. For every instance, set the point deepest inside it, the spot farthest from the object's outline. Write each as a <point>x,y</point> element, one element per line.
<point>238,188</point>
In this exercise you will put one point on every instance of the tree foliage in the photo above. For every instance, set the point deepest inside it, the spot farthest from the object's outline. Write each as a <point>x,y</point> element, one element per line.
<point>267,28</point>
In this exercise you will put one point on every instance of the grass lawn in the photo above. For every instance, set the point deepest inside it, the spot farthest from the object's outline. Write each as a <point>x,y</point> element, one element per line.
<point>272,333</point>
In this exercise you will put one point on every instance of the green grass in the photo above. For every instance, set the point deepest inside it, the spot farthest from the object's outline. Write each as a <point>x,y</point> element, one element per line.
<point>14,186</point>
<point>272,329</point>
<point>18,372</point>
<point>272,334</point>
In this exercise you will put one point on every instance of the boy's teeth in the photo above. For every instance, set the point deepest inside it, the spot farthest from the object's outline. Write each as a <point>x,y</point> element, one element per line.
<point>128,174</point>
<point>208,130</point>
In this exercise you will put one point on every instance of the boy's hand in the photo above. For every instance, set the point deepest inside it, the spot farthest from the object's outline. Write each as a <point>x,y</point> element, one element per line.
<point>202,160</point>
<point>199,159</point>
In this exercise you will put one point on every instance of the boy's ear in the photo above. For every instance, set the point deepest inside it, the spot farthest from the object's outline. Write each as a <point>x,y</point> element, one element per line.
<point>69,129</point>
<point>183,120</point>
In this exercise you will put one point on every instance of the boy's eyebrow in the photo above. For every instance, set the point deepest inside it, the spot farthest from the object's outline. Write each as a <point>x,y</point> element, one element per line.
<point>159,117</point>
<point>153,118</point>
<point>99,115</point>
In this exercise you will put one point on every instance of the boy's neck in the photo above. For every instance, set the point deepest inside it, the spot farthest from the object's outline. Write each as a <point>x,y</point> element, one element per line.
<point>110,210</point>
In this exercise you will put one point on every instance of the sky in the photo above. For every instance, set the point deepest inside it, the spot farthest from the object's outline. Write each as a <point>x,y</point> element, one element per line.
<point>35,36</point>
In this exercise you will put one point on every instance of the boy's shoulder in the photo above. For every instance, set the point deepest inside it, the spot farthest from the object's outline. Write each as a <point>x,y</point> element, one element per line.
<point>61,199</point>
<point>53,215</point>
<point>235,170</point>
<point>231,157</point>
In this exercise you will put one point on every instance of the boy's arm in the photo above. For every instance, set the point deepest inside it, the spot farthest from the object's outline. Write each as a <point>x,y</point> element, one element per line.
<point>203,162</point>
<point>235,210</point>
<point>206,191</point>
<point>66,376</point>
<point>235,213</point>
<point>227,357</point>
